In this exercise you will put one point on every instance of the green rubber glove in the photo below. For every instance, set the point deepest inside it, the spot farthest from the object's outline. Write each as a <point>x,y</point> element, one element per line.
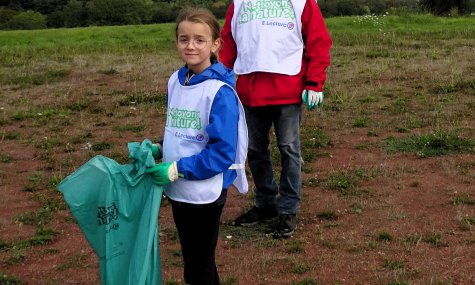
<point>312,99</point>
<point>156,151</point>
<point>163,173</point>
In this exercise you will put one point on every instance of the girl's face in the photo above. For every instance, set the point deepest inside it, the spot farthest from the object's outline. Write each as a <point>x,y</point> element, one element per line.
<point>195,44</point>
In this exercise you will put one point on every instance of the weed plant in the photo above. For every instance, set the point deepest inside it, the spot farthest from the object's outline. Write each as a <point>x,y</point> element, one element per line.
<point>427,145</point>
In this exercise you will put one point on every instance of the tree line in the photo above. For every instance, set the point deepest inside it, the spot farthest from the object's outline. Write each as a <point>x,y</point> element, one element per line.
<point>41,14</point>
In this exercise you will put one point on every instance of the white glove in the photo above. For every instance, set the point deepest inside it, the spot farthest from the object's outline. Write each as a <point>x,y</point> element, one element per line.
<point>312,99</point>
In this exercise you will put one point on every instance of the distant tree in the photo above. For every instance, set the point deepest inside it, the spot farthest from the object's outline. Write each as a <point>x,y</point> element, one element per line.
<point>119,12</point>
<point>28,20</point>
<point>342,7</point>
<point>219,8</point>
<point>444,7</point>
<point>404,5</point>
<point>165,12</point>
<point>195,3</point>
<point>47,7</point>
<point>55,19</point>
<point>74,14</point>
<point>6,15</point>
<point>21,5</point>
<point>348,7</point>
<point>376,6</point>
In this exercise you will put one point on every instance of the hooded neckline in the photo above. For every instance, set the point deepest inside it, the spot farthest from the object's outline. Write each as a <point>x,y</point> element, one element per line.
<point>215,71</point>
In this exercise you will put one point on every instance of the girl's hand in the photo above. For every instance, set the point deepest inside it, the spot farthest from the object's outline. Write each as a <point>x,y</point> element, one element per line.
<point>163,173</point>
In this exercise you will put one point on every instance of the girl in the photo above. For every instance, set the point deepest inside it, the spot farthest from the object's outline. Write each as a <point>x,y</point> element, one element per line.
<point>204,145</point>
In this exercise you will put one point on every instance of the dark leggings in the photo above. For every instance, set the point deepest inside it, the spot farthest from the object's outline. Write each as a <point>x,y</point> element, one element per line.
<point>198,228</point>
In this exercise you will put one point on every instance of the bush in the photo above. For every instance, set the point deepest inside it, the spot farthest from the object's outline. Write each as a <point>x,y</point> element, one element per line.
<point>444,7</point>
<point>28,20</point>
<point>219,9</point>
<point>6,15</point>
<point>347,7</point>
<point>74,14</point>
<point>343,8</point>
<point>376,6</point>
<point>165,12</point>
<point>119,12</point>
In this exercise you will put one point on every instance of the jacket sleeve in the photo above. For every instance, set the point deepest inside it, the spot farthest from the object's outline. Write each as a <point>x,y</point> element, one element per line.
<point>220,152</point>
<point>228,52</point>
<point>317,46</point>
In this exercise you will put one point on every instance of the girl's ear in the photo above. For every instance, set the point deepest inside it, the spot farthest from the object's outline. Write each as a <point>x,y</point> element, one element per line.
<point>216,45</point>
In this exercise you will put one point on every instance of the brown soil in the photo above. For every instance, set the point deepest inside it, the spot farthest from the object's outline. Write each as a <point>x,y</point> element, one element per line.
<point>410,199</point>
<point>400,225</point>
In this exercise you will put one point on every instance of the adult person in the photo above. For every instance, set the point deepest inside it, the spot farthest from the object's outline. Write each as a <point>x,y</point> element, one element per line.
<point>280,50</point>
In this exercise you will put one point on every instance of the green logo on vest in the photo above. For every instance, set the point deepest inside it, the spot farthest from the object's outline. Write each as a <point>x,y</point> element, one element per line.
<point>266,9</point>
<point>183,119</point>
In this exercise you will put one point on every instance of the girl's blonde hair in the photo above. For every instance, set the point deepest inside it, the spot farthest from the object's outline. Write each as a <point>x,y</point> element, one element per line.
<point>202,16</point>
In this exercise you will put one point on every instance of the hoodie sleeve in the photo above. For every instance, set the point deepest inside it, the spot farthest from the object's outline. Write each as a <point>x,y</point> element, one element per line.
<point>317,46</point>
<point>220,152</point>
<point>228,52</point>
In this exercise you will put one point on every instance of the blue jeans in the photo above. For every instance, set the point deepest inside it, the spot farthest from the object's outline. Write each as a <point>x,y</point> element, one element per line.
<point>286,121</point>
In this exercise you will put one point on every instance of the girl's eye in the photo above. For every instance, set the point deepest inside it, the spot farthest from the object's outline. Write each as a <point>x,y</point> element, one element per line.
<point>197,43</point>
<point>183,41</point>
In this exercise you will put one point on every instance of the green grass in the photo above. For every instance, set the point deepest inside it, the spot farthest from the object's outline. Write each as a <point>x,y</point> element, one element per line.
<point>463,199</point>
<point>411,31</point>
<point>4,158</point>
<point>42,236</point>
<point>295,246</point>
<point>300,267</point>
<point>305,281</point>
<point>33,182</point>
<point>16,251</point>
<point>38,218</point>
<point>427,145</point>
<point>237,237</point>
<point>62,43</point>
<point>131,128</point>
<point>73,261</point>
<point>346,182</point>
<point>434,239</point>
<point>100,146</point>
<point>6,279</point>
<point>467,223</point>
<point>328,215</point>
<point>394,264</point>
<point>385,237</point>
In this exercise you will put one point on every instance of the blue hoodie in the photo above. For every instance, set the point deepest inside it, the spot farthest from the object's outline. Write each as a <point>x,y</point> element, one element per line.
<point>220,152</point>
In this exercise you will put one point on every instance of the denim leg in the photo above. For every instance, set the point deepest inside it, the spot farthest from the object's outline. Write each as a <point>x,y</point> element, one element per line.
<point>287,130</point>
<point>259,122</point>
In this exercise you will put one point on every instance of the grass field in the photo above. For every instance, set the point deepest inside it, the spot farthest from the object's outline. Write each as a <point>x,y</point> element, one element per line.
<point>388,184</point>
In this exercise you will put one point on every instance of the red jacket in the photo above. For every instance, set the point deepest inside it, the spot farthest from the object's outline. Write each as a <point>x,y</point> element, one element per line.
<point>263,88</point>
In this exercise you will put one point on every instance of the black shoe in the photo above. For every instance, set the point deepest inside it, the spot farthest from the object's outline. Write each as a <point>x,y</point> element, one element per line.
<point>255,215</point>
<point>286,225</point>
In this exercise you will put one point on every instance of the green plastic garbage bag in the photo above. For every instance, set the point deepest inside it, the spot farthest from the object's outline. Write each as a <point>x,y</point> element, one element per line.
<point>117,208</point>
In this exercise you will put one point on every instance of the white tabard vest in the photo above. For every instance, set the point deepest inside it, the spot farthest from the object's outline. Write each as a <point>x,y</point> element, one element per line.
<point>257,24</point>
<point>188,114</point>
